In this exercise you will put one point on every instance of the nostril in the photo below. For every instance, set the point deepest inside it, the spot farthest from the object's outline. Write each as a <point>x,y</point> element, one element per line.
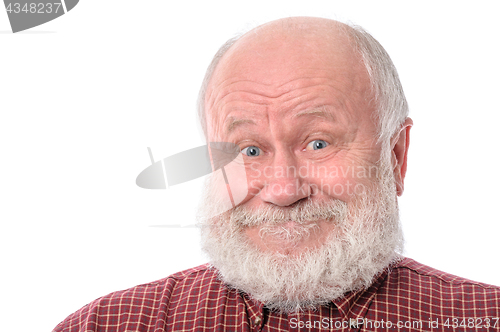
<point>285,192</point>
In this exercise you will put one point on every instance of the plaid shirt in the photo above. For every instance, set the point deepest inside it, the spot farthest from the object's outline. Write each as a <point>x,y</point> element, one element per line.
<point>407,297</point>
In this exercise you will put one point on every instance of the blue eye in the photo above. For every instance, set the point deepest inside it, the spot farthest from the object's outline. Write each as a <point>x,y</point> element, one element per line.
<point>316,145</point>
<point>251,151</point>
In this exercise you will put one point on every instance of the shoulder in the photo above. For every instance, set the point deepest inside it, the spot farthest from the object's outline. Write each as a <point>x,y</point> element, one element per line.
<point>139,306</point>
<point>416,273</point>
<point>415,285</point>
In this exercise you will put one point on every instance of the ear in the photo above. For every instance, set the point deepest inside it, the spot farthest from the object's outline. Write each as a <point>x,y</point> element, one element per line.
<point>399,147</point>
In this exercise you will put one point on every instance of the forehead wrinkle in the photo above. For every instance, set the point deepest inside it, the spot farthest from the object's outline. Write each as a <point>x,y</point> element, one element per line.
<point>258,90</point>
<point>265,90</point>
<point>302,89</point>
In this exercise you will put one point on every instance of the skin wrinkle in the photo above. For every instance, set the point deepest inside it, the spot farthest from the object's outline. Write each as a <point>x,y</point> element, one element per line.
<point>266,91</point>
<point>328,115</point>
<point>222,104</point>
<point>262,100</point>
<point>264,97</point>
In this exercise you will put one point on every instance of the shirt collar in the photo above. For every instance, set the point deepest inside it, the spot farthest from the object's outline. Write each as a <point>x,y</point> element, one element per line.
<point>352,307</point>
<point>355,304</point>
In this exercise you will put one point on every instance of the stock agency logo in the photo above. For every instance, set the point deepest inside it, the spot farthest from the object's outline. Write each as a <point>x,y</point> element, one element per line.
<point>221,160</point>
<point>25,15</point>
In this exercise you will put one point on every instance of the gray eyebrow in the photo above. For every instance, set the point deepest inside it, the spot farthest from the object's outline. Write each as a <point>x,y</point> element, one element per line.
<point>237,122</point>
<point>320,112</point>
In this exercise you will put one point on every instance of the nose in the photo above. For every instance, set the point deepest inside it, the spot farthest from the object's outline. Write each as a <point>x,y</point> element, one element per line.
<point>284,182</point>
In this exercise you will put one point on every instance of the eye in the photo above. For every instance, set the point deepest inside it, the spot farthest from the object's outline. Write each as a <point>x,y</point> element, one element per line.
<point>251,151</point>
<point>316,145</point>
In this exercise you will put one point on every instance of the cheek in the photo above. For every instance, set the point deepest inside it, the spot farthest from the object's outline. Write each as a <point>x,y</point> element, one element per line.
<point>235,179</point>
<point>255,176</point>
<point>228,187</point>
<point>344,186</point>
<point>341,180</point>
<point>348,174</point>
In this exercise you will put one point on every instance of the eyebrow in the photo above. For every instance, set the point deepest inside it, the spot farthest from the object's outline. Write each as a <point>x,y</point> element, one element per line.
<point>319,112</point>
<point>237,122</point>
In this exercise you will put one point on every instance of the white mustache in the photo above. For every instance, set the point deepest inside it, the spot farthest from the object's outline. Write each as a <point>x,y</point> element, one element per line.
<point>288,234</point>
<point>302,212</point>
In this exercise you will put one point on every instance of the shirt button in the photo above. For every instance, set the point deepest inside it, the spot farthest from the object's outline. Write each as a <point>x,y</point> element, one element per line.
<point>257,321</point>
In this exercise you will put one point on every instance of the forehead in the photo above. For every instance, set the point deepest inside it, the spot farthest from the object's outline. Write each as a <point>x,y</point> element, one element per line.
<point>288,51</point>
<point>287,68</point>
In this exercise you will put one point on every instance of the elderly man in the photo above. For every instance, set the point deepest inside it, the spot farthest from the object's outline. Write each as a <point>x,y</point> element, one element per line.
<point>314,242</point>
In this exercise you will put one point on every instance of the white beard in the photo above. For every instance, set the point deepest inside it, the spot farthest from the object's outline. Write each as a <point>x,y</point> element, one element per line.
<point>367,238</point>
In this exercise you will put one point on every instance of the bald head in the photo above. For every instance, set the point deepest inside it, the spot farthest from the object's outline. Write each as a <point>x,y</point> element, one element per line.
<point>330,44</point>
<point>310,32</point>
<point>280,63</point>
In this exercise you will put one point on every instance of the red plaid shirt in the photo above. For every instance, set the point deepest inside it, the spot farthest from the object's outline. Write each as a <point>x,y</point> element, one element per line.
<point>408,297</point>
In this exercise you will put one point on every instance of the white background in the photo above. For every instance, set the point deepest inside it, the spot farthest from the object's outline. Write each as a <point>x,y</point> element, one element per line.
<point>83,96</point>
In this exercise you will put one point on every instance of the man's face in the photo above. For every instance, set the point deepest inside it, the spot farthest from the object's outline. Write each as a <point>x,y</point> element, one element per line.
<point>299,106</point>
